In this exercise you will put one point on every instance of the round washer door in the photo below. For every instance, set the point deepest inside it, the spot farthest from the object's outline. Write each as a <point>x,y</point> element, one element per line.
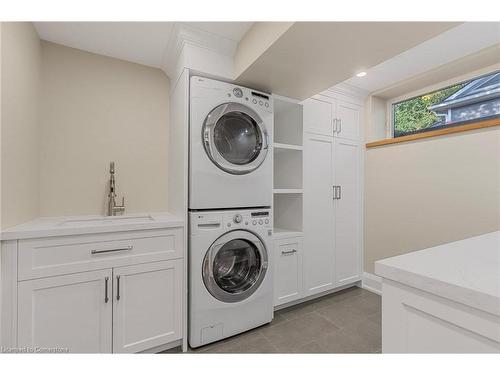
<point>235,266</point>
<point>235,138</point>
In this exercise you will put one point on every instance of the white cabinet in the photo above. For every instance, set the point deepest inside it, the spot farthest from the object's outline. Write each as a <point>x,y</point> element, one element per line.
<point>348,120</point>
<point>318,116</point>
<point>146,309</point>
<point>319,245</point>
<point>332,117</point>
<point>72,312</point>
<point>332,212</point>
<point>288,270</point>
<point>347,176</point>
<point>416,321</point>
<point>96,293</point>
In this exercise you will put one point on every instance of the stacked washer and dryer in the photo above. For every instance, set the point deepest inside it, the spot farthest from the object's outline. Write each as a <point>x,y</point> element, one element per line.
<point>230,195</point>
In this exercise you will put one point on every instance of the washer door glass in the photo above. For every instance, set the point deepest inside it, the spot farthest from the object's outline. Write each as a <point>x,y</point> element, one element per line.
<point>234,266</point>
<point>235,138</point>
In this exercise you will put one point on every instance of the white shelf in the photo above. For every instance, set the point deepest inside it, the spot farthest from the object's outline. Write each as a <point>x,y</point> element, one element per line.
<point>286,233</point>
<point>285,146</point>
<point>288,191</point>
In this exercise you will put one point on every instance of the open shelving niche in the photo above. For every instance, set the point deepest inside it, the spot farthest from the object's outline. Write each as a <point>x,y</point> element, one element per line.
<point>288,160</point>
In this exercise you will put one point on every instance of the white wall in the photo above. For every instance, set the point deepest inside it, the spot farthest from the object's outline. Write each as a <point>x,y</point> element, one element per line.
<point>436,190</point>
<point>20,72</point>
<point>96,109</point>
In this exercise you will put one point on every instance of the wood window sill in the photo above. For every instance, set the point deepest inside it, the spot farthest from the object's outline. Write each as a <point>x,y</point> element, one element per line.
<point>436,133</point>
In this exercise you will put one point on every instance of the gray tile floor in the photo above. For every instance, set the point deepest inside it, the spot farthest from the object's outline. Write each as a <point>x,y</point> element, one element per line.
<point>344,322</point>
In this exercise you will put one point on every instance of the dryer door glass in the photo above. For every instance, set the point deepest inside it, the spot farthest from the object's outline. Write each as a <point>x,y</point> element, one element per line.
<point>235,138</point>
<point>235,266</point>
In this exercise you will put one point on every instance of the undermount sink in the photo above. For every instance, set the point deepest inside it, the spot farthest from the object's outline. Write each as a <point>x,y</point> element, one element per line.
<point>106,220</point>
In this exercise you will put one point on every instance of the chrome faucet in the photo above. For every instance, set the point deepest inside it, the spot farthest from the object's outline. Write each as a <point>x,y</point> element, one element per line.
<point>113,208</point>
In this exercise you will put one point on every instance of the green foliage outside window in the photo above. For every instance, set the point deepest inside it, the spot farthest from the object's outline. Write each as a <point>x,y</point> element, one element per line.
<point>413,115</point>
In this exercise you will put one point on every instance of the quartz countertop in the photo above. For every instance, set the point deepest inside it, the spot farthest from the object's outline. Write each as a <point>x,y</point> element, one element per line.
<point>74,225</point>
<point>466,271</point>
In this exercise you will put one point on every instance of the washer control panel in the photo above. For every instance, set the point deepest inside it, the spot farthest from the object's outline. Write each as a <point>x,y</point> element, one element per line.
<point>252,219</point>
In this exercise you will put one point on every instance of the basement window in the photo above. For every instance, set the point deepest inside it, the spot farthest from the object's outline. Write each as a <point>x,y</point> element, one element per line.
<point>471,101</point>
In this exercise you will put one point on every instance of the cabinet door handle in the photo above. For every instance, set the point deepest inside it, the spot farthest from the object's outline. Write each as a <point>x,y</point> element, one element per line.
<point>106,299</point>
<point>334,188</point>
<point>340,125</point>
<point>117,288</point>
<point>286,252</point>
<point>334,126</point>
<point>111,250</point>
<point>340,192</point>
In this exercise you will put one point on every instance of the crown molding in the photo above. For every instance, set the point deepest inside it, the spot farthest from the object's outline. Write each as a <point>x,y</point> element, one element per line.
<point>348,90</point>
<point>183,35</point>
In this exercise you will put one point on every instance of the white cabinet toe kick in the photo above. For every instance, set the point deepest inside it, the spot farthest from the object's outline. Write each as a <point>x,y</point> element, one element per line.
<point>117,292</point>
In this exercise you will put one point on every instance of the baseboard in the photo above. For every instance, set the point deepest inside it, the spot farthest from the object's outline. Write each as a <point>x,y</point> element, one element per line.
<point>314,296</point>
<point>372,282</point>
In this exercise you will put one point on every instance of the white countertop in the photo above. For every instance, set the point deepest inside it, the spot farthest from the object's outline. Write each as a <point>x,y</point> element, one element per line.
<point>72,225</point>
<point>466,271</point>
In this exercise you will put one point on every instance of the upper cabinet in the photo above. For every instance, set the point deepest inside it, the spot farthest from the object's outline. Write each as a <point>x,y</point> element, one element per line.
<point>332,117</point>
<point>318,117</point>
<point>347,121</point>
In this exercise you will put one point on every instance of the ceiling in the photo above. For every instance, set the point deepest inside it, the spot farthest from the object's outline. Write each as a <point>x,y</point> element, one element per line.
<point>311,57</point>
<point>304,59</point>
<point>140,42</point>
<point>460,41</point>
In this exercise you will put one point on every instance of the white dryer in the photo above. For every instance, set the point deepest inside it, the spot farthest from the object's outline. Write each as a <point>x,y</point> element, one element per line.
<point>230,281</point>
<point>230,155</point>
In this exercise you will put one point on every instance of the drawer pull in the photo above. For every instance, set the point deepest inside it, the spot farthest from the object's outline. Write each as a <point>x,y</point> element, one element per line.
<point>289,252</point>
<point>111,250</point>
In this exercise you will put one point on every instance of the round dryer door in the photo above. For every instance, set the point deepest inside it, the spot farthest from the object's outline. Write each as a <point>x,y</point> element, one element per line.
<point>235,266</point>
<point>235,139</point>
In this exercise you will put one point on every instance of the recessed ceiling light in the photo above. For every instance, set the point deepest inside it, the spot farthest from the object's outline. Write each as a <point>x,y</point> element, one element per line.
<point>361,74</point>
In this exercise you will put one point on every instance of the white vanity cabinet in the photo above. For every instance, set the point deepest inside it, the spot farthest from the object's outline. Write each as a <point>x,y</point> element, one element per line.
<point>146,305</point>
<point>111,292</point>
<point>68,312</point>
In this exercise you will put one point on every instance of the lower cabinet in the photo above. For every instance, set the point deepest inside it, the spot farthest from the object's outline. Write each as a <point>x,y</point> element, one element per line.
<point>71,312</point>
<point>124,309</point>
<point>146,308</point>
<point>287,270</point>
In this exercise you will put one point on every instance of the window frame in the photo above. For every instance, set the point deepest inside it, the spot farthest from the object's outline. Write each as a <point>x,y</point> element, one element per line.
<point>390,113</point>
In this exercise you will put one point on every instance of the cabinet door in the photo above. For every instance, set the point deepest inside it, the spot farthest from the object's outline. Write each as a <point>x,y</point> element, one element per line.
<point>147,305</point>
<point>318,214</point>
<point>318,117</point>
<point>349,120</point>
<point>287,270</point>
<point>347,211</point>
<point>68,312</point>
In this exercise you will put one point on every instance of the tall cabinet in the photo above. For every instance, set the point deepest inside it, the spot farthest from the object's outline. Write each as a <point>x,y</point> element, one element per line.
<point>323,250</point>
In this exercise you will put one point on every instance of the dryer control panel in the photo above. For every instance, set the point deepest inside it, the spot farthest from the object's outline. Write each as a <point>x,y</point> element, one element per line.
<point>257,100</point>
<point>248,219</point>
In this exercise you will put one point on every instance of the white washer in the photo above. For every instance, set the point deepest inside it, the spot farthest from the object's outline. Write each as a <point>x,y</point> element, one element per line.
<point>230,153</point>
<point>230,281</point>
